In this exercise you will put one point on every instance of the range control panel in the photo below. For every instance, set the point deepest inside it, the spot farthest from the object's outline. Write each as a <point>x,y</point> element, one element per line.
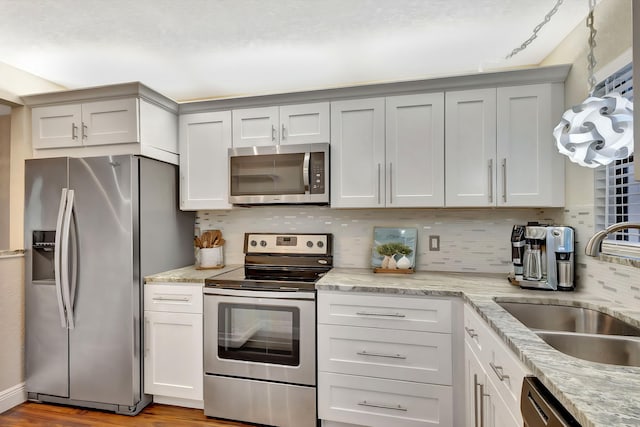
<point>268,243</point>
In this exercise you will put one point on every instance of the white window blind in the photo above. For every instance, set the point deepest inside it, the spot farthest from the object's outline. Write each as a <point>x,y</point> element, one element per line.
<point>617,194</point>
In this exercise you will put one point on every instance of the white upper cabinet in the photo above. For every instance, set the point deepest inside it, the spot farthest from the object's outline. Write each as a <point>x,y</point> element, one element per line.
<point>56,126</point>
<point>255,127</point>
<point>388,152</point>
<point>304,123</point>
<point>91,123</point>
<point>204,141</point>
<point>289,124</point>
<point>357,153</point>
<point>415,150</point>
<point>470,147</point>
<point>531,171</point>
<point>500,149</point>
<point>120,119</point>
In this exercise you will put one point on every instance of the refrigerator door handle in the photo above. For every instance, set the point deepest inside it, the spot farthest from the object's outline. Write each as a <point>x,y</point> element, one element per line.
<point>56,257</point>
<point>74,259</point>
<point>64,260</point>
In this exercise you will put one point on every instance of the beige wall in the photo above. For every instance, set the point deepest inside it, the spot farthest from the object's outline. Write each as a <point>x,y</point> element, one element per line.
<point>14,83</point>
<point>11,322</point>
<point>5,169</point>
<point>612,20</point>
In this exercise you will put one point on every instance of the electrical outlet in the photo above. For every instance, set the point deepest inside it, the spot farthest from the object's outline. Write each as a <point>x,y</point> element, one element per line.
<point>434,243</point>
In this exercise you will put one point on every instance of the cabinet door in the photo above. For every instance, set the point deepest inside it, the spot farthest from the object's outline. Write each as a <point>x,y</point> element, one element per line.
<point>304,123</point>
<point>474,389</point>
<point>415,150</point>
<point>528,172</point>
<point>173,354</point>
<point>255,127</point>
<point>56,126</point>
<point>357,153</point>
<point>470,148</point>
<point>204,178</point>
<point>110,122</point>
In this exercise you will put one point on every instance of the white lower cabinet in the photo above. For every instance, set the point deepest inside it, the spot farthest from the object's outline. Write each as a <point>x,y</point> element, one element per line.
<point>384,360</point>
<point>173,371</point>
<point>493,377</point>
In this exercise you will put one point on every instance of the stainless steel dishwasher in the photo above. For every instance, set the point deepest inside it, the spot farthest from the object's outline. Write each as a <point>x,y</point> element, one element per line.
<point>540,409</point>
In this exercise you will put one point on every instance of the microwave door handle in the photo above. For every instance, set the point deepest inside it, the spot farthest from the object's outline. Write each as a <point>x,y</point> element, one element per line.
<point>305,172</point>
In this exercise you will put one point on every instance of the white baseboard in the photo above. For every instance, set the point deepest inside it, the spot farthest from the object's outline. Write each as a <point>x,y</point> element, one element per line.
<point>175,401</point>
<point>13,396</point>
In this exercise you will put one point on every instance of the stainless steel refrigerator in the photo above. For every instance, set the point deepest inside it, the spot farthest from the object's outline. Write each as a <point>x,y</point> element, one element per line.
<point>94,227</point>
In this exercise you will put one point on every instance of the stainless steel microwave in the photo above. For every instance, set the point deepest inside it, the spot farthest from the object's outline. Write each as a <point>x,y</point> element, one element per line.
<point>279,174</point>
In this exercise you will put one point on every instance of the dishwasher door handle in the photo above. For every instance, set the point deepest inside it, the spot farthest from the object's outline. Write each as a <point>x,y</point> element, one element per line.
<point>541,410</point>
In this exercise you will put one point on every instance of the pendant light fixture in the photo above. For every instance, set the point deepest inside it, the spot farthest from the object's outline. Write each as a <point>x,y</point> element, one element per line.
<point>599,130</point>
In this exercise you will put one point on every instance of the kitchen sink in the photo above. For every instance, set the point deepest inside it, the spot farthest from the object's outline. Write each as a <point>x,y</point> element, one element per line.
<point>580,332</point>
<point>611,349</point>
<point>550,317</point>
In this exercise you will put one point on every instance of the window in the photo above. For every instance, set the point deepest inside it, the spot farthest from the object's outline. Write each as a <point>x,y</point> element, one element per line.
<point>617,193</point>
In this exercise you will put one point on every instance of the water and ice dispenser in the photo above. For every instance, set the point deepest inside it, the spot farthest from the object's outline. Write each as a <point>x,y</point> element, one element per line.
<point>43,244</point>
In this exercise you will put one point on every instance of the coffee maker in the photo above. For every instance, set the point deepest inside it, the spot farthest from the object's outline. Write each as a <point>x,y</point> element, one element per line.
<point>543,256</point>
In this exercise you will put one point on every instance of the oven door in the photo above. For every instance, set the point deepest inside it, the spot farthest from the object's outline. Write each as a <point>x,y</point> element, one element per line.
<point>260,335</point>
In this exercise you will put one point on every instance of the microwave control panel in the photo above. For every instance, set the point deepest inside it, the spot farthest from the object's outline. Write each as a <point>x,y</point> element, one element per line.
<point>317,178</point>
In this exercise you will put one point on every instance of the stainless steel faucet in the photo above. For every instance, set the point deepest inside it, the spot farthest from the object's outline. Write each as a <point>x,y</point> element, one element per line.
<point>595,243</point>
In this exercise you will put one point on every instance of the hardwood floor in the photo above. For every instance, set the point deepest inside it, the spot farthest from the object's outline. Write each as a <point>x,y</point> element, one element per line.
<point>31,414</point>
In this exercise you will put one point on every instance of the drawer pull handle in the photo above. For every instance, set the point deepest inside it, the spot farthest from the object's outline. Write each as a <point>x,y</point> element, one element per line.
<point>471,332</point>
<point>499,371</point>
<point>364,313</point>
<point>179,299</point>
<point>391,356</point>
<point>383,406</point>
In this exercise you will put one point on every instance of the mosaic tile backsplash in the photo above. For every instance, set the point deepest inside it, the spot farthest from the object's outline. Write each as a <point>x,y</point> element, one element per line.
<point>470,239</point>
<point>614,282</point>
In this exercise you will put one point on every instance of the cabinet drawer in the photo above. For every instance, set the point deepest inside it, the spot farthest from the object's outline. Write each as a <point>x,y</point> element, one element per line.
<point>385,353</point>
<point>506,371</point>
<point>382,403</point>
<point>476,333</point>
<point>182,298</point>
<point>396,312</point>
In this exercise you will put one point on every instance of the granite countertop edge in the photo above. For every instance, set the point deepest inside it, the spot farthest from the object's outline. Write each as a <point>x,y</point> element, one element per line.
<point>187,274</point>
<point>598,395</point>
<point>11,253</point>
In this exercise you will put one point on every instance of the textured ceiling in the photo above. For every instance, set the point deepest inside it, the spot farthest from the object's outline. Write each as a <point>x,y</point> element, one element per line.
<point>194,49</point>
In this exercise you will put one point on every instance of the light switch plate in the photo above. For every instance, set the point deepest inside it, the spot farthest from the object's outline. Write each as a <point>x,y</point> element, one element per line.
<point>434,243</point>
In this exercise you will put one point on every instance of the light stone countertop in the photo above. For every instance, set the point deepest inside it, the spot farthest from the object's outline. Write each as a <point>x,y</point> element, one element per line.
<point>188,274</point>
<point>596,394</point>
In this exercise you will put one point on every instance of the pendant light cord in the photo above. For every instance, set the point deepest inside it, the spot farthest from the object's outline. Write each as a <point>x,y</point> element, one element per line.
<point>537,29</point>
<point>591,58</point>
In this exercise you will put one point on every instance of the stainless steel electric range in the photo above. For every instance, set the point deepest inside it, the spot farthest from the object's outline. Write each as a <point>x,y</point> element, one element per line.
<point>260,331</point>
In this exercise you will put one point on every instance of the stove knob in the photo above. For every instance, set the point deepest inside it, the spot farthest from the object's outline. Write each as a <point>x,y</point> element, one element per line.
<point>254,243</point>
<point>309,244</point>
<point>263,243</point>
<point>320,244</point>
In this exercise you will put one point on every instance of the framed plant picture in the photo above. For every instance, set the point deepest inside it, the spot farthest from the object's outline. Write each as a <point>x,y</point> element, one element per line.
<point>394,249</point>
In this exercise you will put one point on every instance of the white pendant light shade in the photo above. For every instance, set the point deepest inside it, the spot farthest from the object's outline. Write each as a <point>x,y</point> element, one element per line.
<point>597,132</point>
